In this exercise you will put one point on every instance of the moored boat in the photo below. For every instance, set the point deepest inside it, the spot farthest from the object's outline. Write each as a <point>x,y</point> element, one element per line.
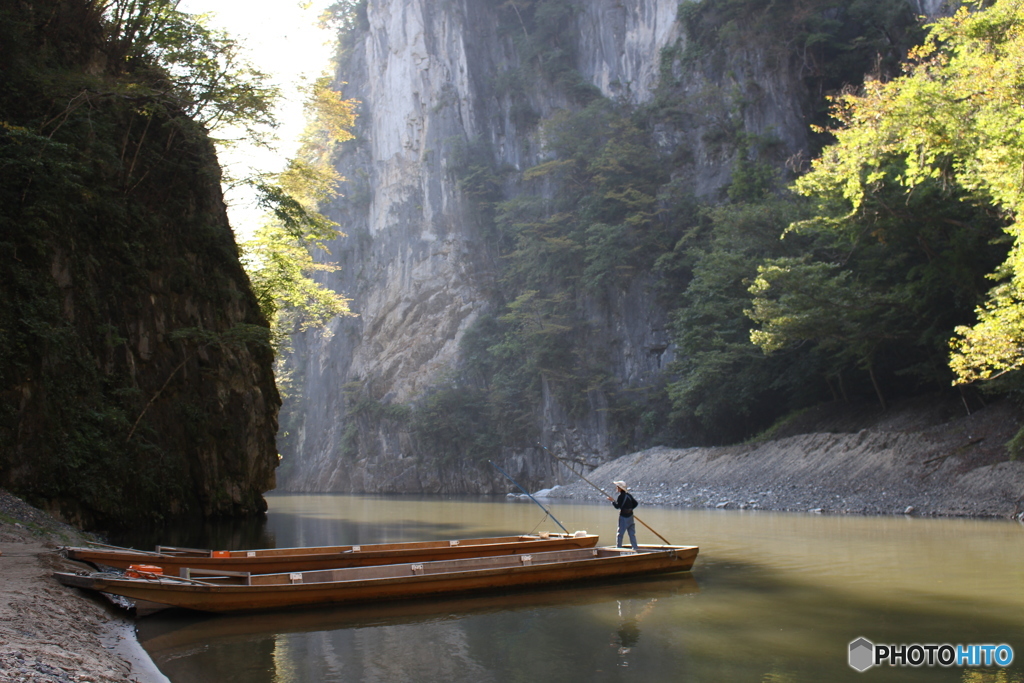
<point>389,582</point>
<point>270,560</point>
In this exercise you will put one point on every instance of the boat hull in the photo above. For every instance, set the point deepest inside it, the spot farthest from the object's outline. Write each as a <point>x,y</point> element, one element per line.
<point>271,560</point>
<point>396,582</point>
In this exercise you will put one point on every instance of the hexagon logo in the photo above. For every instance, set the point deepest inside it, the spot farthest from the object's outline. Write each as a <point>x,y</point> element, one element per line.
<point>862,654</point>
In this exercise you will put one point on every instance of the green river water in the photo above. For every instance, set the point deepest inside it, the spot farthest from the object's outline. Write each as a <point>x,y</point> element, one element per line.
<point>773,598</point>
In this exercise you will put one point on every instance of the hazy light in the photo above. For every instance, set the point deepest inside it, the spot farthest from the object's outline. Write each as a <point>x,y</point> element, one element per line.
<point>281,38</point>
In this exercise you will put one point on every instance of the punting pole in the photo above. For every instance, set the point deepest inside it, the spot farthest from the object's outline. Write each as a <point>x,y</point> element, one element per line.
<point>562,460</point>
<point>528,494</point>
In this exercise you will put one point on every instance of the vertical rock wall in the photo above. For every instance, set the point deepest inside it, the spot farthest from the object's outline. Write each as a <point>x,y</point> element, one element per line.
<point>417,261</point>
<point>136,377</point>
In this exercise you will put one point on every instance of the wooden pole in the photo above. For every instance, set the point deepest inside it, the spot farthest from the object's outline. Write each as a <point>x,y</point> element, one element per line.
<point>562,460</point>
<point>507,476</point>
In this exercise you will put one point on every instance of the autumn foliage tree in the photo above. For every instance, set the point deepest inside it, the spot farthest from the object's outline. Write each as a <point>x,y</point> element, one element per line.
<point>280,258</point>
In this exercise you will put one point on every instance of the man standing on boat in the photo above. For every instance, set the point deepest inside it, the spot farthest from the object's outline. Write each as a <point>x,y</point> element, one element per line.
<point>624,504</point>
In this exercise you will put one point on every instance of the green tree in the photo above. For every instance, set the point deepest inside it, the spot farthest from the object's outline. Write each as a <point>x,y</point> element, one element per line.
<point>281,258</point>
<point>798,300</point>
<point>955,117</point>
<point>881,290</point>
<point>209,79</point>
<point>723,386</point>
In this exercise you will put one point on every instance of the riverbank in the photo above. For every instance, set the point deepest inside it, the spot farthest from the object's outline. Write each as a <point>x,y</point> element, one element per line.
<point>926,457</point>
<point>50,633</point>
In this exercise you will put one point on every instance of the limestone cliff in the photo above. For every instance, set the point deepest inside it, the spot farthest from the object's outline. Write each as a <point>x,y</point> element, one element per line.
<point>455,91</point>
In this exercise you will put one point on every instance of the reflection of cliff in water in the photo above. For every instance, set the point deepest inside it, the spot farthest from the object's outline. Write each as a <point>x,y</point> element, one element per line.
<point>241,533</point>
<point>381,642</point>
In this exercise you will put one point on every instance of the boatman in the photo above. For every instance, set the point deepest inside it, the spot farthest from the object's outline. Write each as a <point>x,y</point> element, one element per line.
<point>624,504</point>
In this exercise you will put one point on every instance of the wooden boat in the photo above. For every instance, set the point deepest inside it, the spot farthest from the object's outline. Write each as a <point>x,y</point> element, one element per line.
<point>247,592</point>
<point>270,560</point>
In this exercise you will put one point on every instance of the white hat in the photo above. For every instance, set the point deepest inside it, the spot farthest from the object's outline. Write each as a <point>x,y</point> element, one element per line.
<point>621,485</point>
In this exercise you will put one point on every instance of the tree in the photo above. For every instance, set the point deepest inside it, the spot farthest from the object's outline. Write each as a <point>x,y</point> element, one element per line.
<point>724,387</point>
<point>209,79</point>
<point>954,117</point>
<point>797,300</point>
<point>280,258</point>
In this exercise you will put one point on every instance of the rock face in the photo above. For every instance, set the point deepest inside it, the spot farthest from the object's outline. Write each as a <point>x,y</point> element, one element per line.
<point>136,381</point>
<point>421,266</point>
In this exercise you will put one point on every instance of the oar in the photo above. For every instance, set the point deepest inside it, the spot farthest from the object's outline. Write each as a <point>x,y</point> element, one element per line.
<point>528,494</point>
<point>561,460</point>
<point>146,576</point>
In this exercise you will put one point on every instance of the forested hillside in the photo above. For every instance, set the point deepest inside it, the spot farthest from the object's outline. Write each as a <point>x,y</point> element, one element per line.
<point>793,297</point>
<point>882,289</point>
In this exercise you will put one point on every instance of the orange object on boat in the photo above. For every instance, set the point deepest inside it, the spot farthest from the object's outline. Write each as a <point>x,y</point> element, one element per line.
<point>135,571</point>
<point>221,553</point>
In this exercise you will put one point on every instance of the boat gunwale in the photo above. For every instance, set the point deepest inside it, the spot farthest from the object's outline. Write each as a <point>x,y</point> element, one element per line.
<point>87,554</point>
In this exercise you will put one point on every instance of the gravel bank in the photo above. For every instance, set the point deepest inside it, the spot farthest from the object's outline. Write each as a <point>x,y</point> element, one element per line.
<point>924,458</point>
<point>50,633</point>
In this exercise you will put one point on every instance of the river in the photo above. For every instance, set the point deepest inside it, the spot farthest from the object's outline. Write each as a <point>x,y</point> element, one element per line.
<point>773,597</point>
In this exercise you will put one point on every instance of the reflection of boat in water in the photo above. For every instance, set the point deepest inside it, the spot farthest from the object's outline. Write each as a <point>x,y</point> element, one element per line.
<point>169,635</point>
<point>270,560</point>
<point>389,582</point>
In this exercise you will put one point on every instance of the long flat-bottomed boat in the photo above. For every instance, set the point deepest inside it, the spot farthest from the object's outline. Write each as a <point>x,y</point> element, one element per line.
<point>273,560</point>
<point>247,592</point>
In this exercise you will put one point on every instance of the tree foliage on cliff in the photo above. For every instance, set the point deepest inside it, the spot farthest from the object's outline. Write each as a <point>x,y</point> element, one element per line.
<point>861,305</point>
<point>290,249</point>
<point>953,120</point>
<point>280,257</point>
<point>110,210</point>
<point>854,302</point>
<point>604,211</point>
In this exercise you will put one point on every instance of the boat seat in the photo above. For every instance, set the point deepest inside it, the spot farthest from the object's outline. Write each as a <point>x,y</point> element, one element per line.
<point>188,572</point>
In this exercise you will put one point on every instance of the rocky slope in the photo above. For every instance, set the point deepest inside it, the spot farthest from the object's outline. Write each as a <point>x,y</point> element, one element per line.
<point>923,458</point>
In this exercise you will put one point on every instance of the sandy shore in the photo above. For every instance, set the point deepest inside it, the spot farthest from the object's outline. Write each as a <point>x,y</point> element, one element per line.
<point>50,633</point>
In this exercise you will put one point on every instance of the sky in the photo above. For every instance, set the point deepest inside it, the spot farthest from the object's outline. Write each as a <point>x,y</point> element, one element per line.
<point>280,38</point>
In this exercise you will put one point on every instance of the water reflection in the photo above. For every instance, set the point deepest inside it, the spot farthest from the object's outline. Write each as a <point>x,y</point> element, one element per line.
<point>422,634</point>
<point>631,613</point>
<point>773,598</point>
<point>222,534</point>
